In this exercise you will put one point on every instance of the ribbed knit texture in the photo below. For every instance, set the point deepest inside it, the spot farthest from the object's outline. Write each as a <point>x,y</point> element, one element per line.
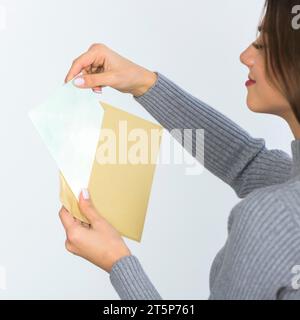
<point>263,243</point>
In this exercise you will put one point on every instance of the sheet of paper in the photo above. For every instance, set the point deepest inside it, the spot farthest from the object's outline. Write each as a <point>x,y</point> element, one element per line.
<point>120,192</point>
<point>69,123</point>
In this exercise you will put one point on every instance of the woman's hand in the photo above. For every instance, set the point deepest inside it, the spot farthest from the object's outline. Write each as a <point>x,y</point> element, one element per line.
<point>99,242</point>
<point>101,67</point>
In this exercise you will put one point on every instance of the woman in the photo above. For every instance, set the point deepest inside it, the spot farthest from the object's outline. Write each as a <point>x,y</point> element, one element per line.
<point>262,249</point>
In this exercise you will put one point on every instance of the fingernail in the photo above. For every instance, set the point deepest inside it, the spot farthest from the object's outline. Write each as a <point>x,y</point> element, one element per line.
<point>98,91</point>
<point>78,82</point>
<point>85,194</point>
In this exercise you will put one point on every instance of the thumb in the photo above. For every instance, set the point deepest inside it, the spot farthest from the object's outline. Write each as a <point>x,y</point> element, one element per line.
<point>87,208</point>
<point>93,80</point>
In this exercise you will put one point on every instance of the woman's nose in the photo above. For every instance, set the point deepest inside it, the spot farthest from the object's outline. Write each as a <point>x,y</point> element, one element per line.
<point>247,57</point>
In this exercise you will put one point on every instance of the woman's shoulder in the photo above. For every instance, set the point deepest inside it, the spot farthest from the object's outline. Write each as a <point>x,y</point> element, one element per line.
<point>277,206</point>
<point>286,194</point>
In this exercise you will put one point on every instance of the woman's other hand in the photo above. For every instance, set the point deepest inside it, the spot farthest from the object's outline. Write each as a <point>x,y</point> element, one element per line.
<point>99,242</point>
<point>100,67</point>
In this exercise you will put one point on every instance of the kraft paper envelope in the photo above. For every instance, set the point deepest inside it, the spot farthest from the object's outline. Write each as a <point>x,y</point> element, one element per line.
<point>120,192</point>
<point>75,126</point>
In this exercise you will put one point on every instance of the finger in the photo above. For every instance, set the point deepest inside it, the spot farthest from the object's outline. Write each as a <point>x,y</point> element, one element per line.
<point>90,70</point>
<point>76,222</point>
<point>87,208</point>
<point>93,80</point>
<point>82,62</point>
<point>85,225</point>
<point>85,71</point>
<point>97,90</point>
<point>94,69</point>
<point>66,218</point>
<point>69,246</point>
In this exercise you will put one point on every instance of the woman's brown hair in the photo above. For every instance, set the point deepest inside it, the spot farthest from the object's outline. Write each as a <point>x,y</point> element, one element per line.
<point>282,47</point>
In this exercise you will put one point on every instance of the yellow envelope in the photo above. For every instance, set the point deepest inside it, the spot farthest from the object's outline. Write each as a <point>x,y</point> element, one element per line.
<point>120,191</point>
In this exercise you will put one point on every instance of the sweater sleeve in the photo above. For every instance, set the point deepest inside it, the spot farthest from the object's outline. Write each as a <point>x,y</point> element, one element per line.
<point>130,280</point>
<point>230,152</point>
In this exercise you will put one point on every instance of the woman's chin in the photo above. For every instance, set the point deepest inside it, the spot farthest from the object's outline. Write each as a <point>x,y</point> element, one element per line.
<point>254,107</point>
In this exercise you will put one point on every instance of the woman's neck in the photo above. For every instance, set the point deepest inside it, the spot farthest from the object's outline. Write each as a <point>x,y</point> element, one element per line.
<point>293,123</point>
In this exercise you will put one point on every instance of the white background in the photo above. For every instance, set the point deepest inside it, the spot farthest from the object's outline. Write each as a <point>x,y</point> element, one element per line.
<point>195,43</point>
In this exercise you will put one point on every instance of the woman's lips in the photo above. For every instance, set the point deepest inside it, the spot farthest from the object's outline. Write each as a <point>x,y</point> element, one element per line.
<point>250,82</point>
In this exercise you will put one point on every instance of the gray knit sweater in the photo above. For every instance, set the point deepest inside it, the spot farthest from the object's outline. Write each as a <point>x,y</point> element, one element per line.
<point>263,243</point>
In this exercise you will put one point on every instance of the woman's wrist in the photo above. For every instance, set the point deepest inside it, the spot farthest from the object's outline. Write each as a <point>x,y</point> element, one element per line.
<point>149,80</point>
<point>125,253</point>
